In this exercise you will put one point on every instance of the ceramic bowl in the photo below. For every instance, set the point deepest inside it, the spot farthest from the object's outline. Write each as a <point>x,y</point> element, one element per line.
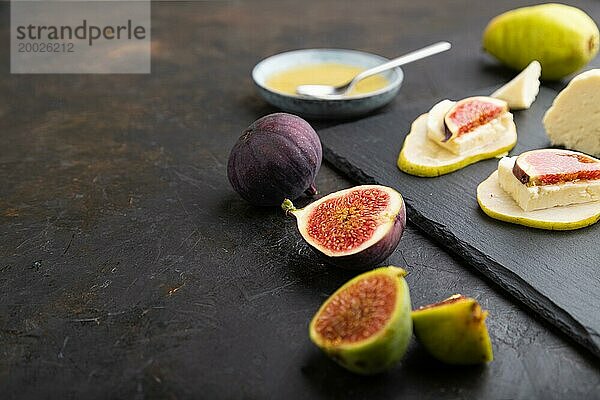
<point>347,107</point>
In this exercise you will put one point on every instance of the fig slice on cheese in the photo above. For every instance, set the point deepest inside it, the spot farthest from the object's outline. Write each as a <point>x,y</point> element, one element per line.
<point>468,114</point>
<point>552,166</point>
<point>522,90</point>
<point>558,199</point>
<point>469,125</point>
<point>573,120</point>
<point>454,134</point>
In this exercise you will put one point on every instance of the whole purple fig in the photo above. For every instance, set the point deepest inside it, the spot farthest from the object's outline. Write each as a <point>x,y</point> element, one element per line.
<point>277,157</point>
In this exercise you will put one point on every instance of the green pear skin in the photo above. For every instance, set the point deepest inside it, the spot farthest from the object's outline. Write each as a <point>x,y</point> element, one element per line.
<point>562,38</point>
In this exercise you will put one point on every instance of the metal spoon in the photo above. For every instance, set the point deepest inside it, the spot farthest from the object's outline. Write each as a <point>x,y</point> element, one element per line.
<point>328,92</point>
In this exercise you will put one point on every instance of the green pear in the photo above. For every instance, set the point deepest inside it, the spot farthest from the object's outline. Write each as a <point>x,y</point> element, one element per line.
<point>562,38</point>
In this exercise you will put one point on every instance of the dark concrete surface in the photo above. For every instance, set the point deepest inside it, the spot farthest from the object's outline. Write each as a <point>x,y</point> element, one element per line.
<point>130,269</point>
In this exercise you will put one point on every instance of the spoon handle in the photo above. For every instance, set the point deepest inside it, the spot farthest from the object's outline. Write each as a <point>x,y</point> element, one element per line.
<point>405,59</point>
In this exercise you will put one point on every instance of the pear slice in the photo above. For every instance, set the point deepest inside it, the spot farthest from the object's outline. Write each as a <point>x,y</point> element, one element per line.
<point>454,331</point>
<point>421,156</point>
<point>498,204</point>
<point>522,90</point>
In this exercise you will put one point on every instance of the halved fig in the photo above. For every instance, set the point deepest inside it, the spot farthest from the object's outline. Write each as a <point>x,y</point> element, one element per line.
<point>422,156</point>
<point>522,90</point>
<point>499,204</point>
<point>355,228</point>
<point>454,331</point>
<point>470,113</point>
<point>552,166</point>
<point>365,326</point>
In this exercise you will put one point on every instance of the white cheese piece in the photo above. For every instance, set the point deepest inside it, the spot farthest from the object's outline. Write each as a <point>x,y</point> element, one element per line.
<point>573,120</point>
<point>545,196</point>
<point>522,90</point>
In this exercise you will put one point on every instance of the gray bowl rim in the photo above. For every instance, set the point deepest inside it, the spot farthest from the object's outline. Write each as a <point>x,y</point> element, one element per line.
<point>399,75</point>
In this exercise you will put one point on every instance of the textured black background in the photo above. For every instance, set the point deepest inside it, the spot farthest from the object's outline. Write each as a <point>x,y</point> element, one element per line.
<point>129,268</point>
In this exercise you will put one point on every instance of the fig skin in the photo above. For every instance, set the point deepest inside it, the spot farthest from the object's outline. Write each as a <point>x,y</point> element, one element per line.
<point>276,157</point>
<point>369,257</point>
<point>454,331</point>
<point>385,348</point>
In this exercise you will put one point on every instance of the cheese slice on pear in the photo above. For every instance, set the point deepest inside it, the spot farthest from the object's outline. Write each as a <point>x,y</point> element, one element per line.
<point>522,90</point>
<point>499,204</point>
<point>421,156</point>
<point>444,131</point>
<point>573,120</point>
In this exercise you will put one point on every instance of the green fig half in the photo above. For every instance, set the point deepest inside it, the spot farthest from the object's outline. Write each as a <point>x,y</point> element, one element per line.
<point>365,326</point>
<point>454,331</point>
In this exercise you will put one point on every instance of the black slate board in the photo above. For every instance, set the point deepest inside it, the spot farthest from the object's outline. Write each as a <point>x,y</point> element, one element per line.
<point>554,273</point>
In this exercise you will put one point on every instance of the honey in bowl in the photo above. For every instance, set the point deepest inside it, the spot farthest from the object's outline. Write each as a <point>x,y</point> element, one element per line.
<point>324,74</point>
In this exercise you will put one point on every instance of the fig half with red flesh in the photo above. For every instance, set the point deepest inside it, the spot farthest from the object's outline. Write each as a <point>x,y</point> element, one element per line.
<point>553,166</point>
<point>356,228</point>
<point>470,113</point>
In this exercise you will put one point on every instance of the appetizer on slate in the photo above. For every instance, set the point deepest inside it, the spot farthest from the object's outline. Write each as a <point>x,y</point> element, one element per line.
<point>453,135</point>
<point>547,189</point>
<point>573,120</point>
